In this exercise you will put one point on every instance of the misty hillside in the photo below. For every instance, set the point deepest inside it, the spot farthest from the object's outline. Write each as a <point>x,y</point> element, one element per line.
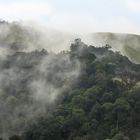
<point>102,104</point>
<point>85,93</point>
<point>78,92</point>
<point>16,36</point>
<point>127,44</point>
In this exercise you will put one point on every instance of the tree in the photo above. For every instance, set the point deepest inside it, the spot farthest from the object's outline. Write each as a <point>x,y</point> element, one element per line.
<point>15,137</point>
<point>121,108</point>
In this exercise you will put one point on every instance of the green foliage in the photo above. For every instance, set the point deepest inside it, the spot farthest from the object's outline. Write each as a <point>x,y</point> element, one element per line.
<point>15,137</point>
<point>104,103</point>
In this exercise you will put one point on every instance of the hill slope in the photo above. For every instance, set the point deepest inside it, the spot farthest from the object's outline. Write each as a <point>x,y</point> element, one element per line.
<point>127,44</point>
<point>104,102</point>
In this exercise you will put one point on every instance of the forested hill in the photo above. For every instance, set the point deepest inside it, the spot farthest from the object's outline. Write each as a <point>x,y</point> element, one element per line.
<point>128,44</point>
<point>98,98</point>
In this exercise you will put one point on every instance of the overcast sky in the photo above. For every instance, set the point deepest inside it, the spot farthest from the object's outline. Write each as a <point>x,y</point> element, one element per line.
<point>76,15</point>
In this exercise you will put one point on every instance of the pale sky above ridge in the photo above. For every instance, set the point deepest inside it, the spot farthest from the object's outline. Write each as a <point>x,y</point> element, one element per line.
<point>76,15</point>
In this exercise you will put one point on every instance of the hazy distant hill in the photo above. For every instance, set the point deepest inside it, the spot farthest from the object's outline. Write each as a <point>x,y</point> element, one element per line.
<point>82,92</point>
<point>127,44</point>
<point>19,37</point>
<point>103,103</point>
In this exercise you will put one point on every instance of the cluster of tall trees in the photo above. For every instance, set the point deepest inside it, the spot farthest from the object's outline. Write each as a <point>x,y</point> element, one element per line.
<point>103,104</point>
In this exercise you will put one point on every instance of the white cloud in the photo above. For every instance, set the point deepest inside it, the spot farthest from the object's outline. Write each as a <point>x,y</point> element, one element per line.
<point>71,23</point>
<point>85,24</point>
<point>133,5</point>
<point>122,25</point>
<point>24,10</point>
<point>41,11</point>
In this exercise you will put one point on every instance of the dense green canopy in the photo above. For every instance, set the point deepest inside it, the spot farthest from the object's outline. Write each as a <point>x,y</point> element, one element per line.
<point>102,104</point>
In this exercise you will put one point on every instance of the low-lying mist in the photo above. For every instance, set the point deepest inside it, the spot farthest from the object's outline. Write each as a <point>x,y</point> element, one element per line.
<point>20,36</point>
<point>33,79</point>
<point>31,83</point>
<point>126,44</point>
